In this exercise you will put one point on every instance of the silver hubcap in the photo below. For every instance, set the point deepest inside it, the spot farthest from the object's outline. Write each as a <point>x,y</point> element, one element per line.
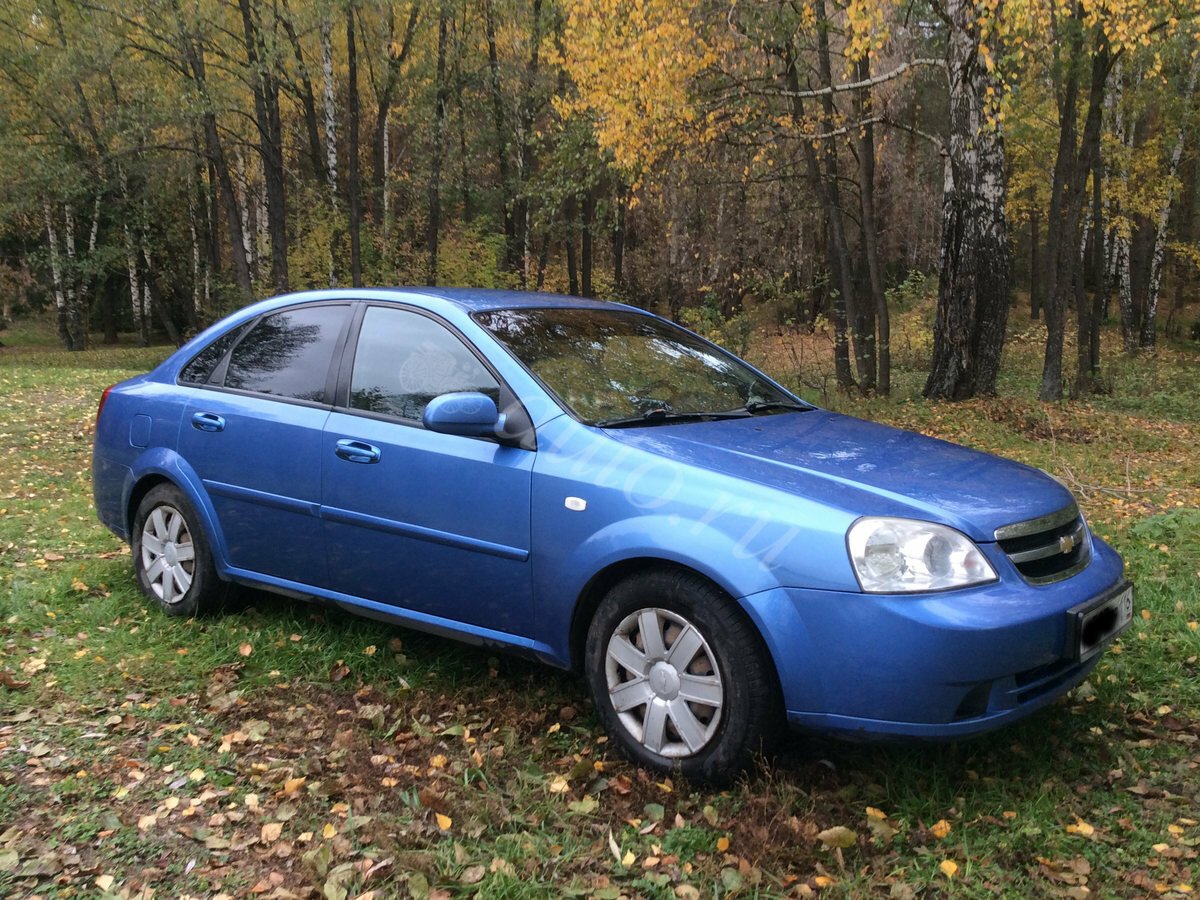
<point>664,683</point>
<point>168,555</point>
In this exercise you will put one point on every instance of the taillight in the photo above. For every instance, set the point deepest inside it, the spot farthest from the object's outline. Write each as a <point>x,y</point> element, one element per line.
<point>103,400</point>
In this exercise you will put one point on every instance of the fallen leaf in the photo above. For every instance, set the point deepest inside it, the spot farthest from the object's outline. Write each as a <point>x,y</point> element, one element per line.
<point>949,867</point>
<point>271,831</point>
<point>105,882</point>
<point>444,822</point>
<point>940,829</point>
<point>246,649</point>
<point>723,843</point>
<point>838,836</point>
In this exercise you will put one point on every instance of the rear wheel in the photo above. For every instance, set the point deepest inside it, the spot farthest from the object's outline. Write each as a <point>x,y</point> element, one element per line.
<point>679,676</point>
<point>171,556</point>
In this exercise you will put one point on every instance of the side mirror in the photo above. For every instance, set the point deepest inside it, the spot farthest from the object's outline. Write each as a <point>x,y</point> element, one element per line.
<point>465,413</point>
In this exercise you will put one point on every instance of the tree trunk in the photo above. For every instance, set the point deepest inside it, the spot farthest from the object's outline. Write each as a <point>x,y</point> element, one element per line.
<point>308,100</point>
<point>1072,167</point>
<point>1035,269</point>
<point>397,55</point>
<point>618,243</point>
<point>522,211</point>
<point>870,231</point>
<point>352,185</point>
<point>1146,335</point>
<point>585,262</point>
<point>511,252</point>
<point>861,319</point>
<point>837,255</point>
<point>439,140</point>
<point>220,165</point>
<point>270,141</point>
<point>56,274</point>
<point>973,291</point>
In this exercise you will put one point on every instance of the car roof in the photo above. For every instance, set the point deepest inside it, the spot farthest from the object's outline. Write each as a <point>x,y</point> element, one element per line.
<point>481,299</point>
<point>469,300</point>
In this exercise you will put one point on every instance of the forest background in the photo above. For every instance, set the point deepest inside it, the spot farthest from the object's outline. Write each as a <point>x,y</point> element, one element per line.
<point>795,166</point>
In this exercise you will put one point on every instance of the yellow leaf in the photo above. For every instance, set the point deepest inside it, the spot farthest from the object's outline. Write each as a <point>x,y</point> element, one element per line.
<point>271,831</point>
<point>940,829</point>
<point>105,882</point>
<point>722,843</point>
<point>823,881</point>
<point>559,785</point>
<point>438,762</point>
<point>949,868</point>
<point>1081,827</point>
<point>329,831</point>
<point>444,822</point>
<point>196,775</point>
<point>628,859</point>
<point>293,784</point>
<point>873,813</point>
<point>838,836</point>
<point>553,729</point>
<point>147,822</point>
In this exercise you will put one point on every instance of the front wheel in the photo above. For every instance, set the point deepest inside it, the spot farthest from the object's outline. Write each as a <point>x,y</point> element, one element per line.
<point>679,676</point>
<point>171,556</point>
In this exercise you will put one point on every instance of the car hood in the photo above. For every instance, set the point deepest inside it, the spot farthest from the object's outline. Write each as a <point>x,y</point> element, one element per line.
<point>861,467</point>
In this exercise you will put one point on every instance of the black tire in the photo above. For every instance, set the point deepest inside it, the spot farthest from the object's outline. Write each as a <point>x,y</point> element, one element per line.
<point>709,739</point>
<point>171,556</point>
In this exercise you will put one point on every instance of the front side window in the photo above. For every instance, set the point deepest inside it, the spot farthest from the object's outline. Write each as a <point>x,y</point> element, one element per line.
<point>287,354</point>
<point>619,367</point>
<point>405,359</point>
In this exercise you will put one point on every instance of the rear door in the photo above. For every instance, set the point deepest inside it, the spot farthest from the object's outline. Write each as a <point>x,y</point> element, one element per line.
<point>253,433</point>
<point>434,523</point>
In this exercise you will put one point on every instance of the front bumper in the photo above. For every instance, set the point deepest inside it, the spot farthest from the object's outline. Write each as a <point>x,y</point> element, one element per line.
<point>935,666</point>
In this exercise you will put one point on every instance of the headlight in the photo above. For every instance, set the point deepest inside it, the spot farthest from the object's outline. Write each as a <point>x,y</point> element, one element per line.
<point>897,556</point>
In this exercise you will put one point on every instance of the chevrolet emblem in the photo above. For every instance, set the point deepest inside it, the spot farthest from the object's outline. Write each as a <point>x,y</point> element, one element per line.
<point>1066,543</point>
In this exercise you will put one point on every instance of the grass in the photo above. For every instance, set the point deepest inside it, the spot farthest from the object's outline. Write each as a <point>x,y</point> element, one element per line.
<point>293,748</point>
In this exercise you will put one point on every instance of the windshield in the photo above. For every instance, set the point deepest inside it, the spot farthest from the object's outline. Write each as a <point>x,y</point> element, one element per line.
<point>614,367</point>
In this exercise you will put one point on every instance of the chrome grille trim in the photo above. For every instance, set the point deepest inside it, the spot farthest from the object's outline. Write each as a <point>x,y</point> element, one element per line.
<point>1049,548</point>
<point>1042,523</point>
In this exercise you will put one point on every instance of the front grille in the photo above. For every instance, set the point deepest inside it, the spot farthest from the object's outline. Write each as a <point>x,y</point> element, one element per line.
<point>1049,548</point>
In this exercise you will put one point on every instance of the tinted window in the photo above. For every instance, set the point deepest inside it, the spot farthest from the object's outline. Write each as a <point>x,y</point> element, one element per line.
<point>404,360</point>
<point>287,354</point>
<point>204,362</point>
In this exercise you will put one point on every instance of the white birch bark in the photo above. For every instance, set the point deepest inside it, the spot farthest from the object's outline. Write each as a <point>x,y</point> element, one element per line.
<point>1164,219</point>
<point>387,181</point>
<point>60,300</point>
<point>330,109</point>
<point>131,263</point>
<point>243,200</point>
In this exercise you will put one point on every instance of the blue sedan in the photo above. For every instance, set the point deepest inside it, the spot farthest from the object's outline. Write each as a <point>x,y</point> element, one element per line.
<point>588,484</point>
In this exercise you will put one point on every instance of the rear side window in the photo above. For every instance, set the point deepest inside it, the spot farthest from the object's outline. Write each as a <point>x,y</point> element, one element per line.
<point>200,369</point>
<point>287,354</point>
<point>405,359</point>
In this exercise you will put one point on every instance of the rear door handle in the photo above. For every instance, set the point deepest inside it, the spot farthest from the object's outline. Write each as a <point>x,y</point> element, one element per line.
<point>208,421</point>
<point>357,451</point>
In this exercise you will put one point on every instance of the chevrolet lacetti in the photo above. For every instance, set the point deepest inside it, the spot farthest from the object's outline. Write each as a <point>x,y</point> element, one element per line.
<point>591,485</point>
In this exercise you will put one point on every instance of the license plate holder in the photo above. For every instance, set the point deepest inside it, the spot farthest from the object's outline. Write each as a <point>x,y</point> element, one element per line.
<point>1093,624</point>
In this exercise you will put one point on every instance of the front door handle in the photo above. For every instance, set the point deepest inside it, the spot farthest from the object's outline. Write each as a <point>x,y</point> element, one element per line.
<point>357,451</point>
<point>208,421</point>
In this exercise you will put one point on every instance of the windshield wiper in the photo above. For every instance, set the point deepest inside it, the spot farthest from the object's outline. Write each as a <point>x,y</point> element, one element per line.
<point>756,406</point>
<point>662,416</point>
